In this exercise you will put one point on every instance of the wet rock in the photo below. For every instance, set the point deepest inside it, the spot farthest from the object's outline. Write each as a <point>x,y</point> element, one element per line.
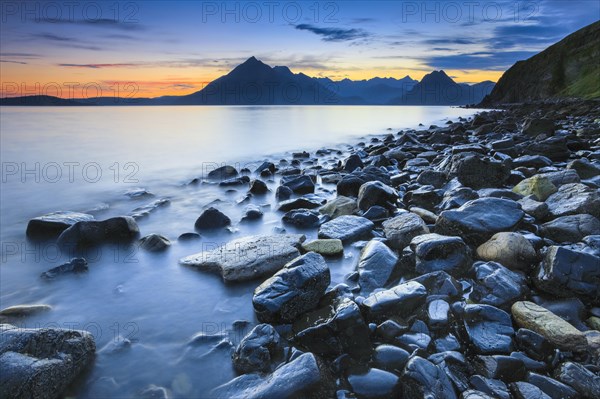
<point>265,166</point>
<point>252,212</point>
<point>554,148</point>
<point>223,173</point>
<point>145,210</point>
<point>552,387</point>
<point>339,206</point>
<point>154,243</point>
<point>293,290</point>
<point>427,216</point>
<point>375,384</point>
<point>400,300</point>
<point>353,162</point>
<point>524,390</point>
<point>299,203</point>
<point>303,377</point>
<point>347,228</point>
<point>390,358</point>
<point>75,265</point>
<point>303,218</point>
<point>401,229</point>
<point>581,379</point>
<point>539,186</point>
<point>42,363</point>
<point>259,351</point>
<point>556,330</point>
<point>532,161</point>
<point>138,193</point>
<point>423,379</point>
<point>376,193</point>
<point>212,218</point>
<point>440,284</point>
<point>477,172</point>
<point>457,197</point>
<point>299,184</point>
<point>510,249</point>
<point>376,266</point>
<point>350,184</point>
<point>496,285</point>
<point>52,224</point>
<point>584,168</point>
<point>478,220</point>
<point>437,313</point>
<point>425,197</point>
<point>564,272</point>
<point>235,181</point>
<point>325,247</point>
<point>572,199</point>
<point>571,228</point>
<point>376,214</point>
<point>121,229</point>
<point>537,209</point>
<point>489,386</point>
<point>258,187</point>
<point>561,177</point>
<point>334,329</point>
<point>432,177</point>
<point>534,127</point>
<point>474,394</point>
<point>249,257</point>
<point>435,252</point>
<point>185,237</point>
<point>283,193</point>
<point>18,311</point>
<point>501,367</point>
<point>489,329</point>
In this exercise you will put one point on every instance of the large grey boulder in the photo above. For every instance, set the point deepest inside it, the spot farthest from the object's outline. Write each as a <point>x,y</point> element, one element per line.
<point>401,229</point>
<point>347,228</point>
<point>117,230</point>
<point>572,199</point>
<point>52,224</point>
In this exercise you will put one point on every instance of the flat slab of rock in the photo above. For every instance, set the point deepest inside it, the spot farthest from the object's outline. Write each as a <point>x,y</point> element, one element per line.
<point>52,224</point>
<point>572,199</point>
<point>347,228</point>
<point>572,228</point>
<point>401,300</point>
<point>325,247</point>
<point>17,311</point>
<point>555,329</point>
<point>248,258</point>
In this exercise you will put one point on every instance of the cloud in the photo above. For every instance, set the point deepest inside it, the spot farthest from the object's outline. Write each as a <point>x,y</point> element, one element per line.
<point>445,41</point>
<point>527,35</point>
<point>478,60</point>
<point>334,34</point>
<point>98,23</point>
<point>65,41</point>
<point>14,62</point>
<point>98,66</point>
<point>21,55</point>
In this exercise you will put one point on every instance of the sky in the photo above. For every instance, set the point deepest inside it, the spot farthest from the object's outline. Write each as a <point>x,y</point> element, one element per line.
<point>154,48</point>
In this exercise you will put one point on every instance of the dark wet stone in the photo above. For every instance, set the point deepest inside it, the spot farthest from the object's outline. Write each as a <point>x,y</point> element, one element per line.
<point>474,394</point>
<point>235,181</point>
<point>259,351</point>
<point>303,218</point>
<point>75,265</point>
<point>553,388</point>
<point>496,285</point>
<point>401,300</point>
<point>499,193</point>
<point>42,363</point>
<point>121,229</point>
<point>536,126</point>
<point>299,184</point>
<point>423,379</point>
<point>145,210</point>
<point>353,162</point>
<point>376,266</point>
<point>299,203</point>
<point>531,161</point>
<point>585,169</point>
<point>375,384</point>
<point>489,386</point>
<point>437,313</point>
<point>283,193</point>
<point>440,284</point>
<point>252,212</point>
<point>456,367</point>
<point>477,172</point>
<point>579,378</point>
<point>478,220</point>
<point>293,290</point>
<point>301,155</point>
<point>417,337</point>
<point>534,344</point>
<point>269,166</point>
<point>554,148</point>
<point>565,273</point>
<point>376,193</point>
<point>223,173</point>
<point>561,177</point>
<point>52,224</point>
<point>432,177</point>
<point>401,229</point>
<point>154,243</point>
<point>569,309</point>
<point>258,187</point>
<point>376,213</point>
<point>339,206</point>
<point>572,228</point>
<point>426,197</point>
<point>457,197</point>
<point>390,358</point>
<point>572,199</point>
<point>188,237</point>
<point>212,218</point>
<point>334,329</point>
<point>530,364</point>
<point>447,343</point>
<point>435,252</point>
<point>537,209</point>
<point>489,329</point>
<point>303,377</point>
<point>505,368</point>
<point>350,184</point>
<point>347,228</point>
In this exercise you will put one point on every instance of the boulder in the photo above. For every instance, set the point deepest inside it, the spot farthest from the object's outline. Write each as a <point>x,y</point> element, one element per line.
<point>376,193</point>
<point>154,243</point>
<point>432,177</point>
<point>434,252</point>
<point>584,168</point>
<point>299,184</point>
<point>489,329</point>
<point>223,173</point>
<point>400,230</point>
<point>532,207</point>
<point>375,384</point>
<point>390,357</point>
<point>572,199</point>
<point>572,228</point>
<point>524,390</point>
<point>347,228</point>
<point>299,203</point>
<point>510,249</point>
<point>401,300</point>
<point>535,126</point>
<point>539,186</point>
<point>501,367</point>
<point>552,387</point>
<point>476,171</point>
<point>259,351</point>
<point>252,212</point>
<point>586,383</point>
<point>423,379</point>
<point>18,311</point>
<point>293,290</point>
<point>249,257</point>
<point>212,218</point>
<point>283,193</point>
<point>52,224</point>
<point>325,247</point>
<point>302,218</point>
<point>496,285</point>
<point>376,266</point>
<point>561,177</point>
<point>353,162</point>
<point>258,187</point>
<point>339,206</point>
<point>121,229</point>
<point>75,265</point>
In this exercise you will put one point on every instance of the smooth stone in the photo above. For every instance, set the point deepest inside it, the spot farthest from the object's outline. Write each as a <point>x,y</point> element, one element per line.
<point>376,213</point>
<point>121,229</point>
<point>401,300</point>
<point>325,247</point>
<point>353,162</point>
<point>565,273</point>
<point>553,388</point>
<point>490,386</point>
<point>154,243</point>
<point>475,394</point>
<point>42,363</point>
<point>249,257</point>
<point>223,173</point>
<point>440,284</point>
<point>351,183</point>
<point>299,203</point>
<point>269,166</point>
<point>510,249</point>
<point>283,193</point>
<point>478,220</point>
<point>145,210</point>
<point>376,193</point>
<point>436,252</point>
<point>530,206</point>
<point>52,224</point>
<point>584,168</point>
<point>573,199</point>
<point>259,350</point>
<point>339,206</point>
<point>252,212</point>
<point>572,228</point>
<point>447,343</point>
<point>137,193</point>
<point>534,344</point>
<point>536,126</point>
<point>302,377</point>
<point>539,186</point>
<point>476,171</point>
<point>299,184</point>
<point>186,237</point>
<point>427,216</point>
<point>346,228</point>
<point>532,161</point>
<point>542,321</point>
<point>75,265</point>
<point>293,290</point>
<point>457,197</point>
<point>390,358</point>
<point>375,384</point>
<point>489,329</point>
<point>423,379</point>
<point>235,181</point>
<point>524,390</point>
<point>501,367</point>
<point>432,177</point>
<point>19,311</point>
<point>212,218</point>
<point>496,285</point>
<point>566,176</point>
<point>437,314</point>
<point>376,266</point>
<point>302,218</point>
<point>401,229</point>
<point>581,379</point>
<point>258,187</point>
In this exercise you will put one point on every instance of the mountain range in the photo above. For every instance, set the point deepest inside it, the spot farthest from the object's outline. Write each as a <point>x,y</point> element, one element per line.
<point>256,83</point>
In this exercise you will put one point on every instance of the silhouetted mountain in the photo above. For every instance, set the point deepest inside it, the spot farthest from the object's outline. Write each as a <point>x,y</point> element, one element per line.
<point>39,101</point>
<point>569,68</point>
<point>372,91</point>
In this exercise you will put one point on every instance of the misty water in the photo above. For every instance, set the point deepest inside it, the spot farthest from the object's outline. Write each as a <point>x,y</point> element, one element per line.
<point>86,158</point>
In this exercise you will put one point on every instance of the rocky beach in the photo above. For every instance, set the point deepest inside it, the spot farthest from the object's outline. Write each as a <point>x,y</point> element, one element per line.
<point>477,275</point>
